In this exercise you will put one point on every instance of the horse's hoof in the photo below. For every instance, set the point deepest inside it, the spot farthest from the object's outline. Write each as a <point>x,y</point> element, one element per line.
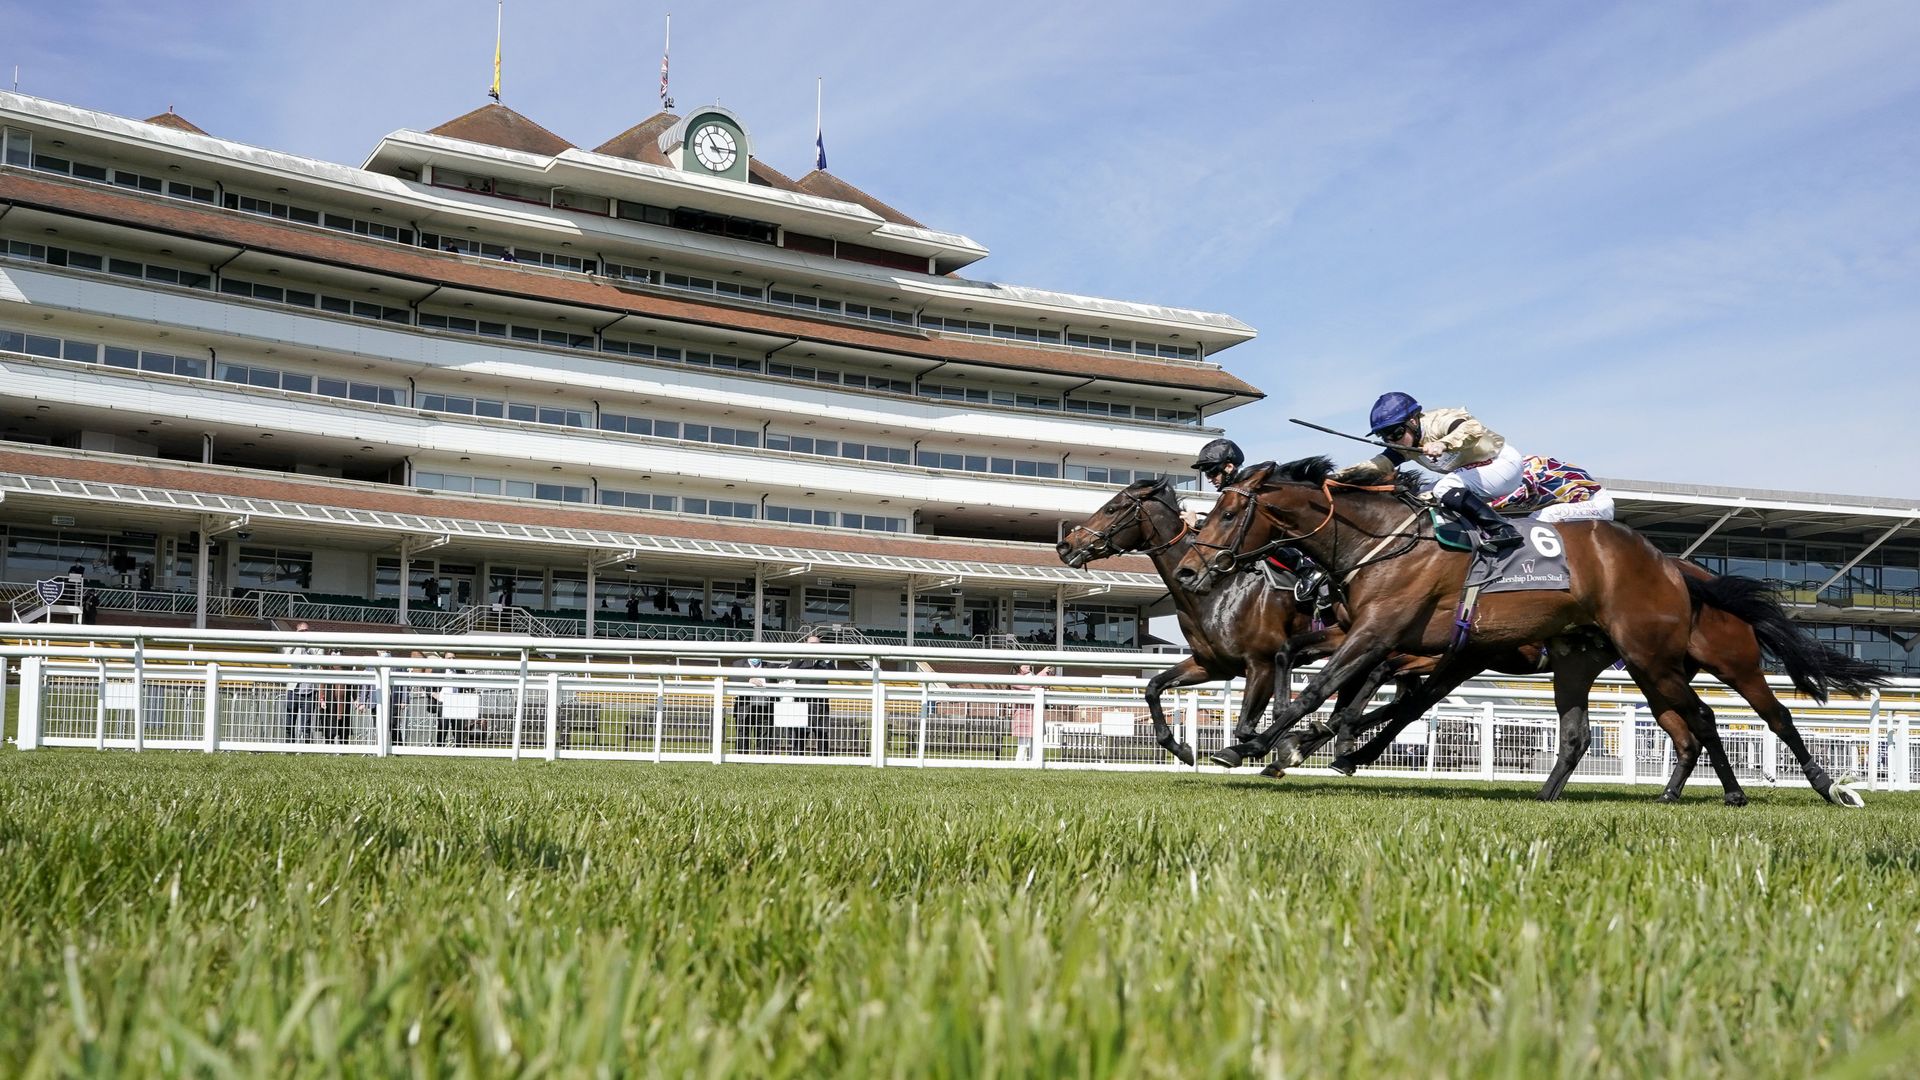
<point>1228,757</point>
<point>1183,752</point>
<point>1841,795</point>
<point>1274,771</point>
<point>1734,798</point>
<point>1343,766</point>
<point>1544,795</point>
<point>1668,797</point>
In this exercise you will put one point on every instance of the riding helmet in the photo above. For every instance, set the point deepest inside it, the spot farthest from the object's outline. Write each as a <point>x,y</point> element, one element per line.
<point>1219,452</point>
<point>1392,408</point>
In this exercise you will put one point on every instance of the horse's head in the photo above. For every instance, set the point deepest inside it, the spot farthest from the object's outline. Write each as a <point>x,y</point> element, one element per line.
<point>1262,504</point>
<point>1133,520</point>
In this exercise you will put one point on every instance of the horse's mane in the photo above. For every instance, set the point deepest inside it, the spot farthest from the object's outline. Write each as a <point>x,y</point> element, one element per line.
<point>1315,470</point>
<point>1306,470</point>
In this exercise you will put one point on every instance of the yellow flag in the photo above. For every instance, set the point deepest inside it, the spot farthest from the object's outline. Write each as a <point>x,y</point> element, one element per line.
<point>499,13</point>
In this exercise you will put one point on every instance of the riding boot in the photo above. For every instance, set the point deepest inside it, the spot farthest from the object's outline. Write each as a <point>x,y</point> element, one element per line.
<point>1496,533</point>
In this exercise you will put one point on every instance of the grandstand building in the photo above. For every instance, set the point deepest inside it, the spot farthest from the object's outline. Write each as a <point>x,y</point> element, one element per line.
<point>655,388</point>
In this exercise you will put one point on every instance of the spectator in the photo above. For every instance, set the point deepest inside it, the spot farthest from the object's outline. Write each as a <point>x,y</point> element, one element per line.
<point>1023,714</point>
<point>633,606</point>
<point>463,593</point>
<point>734,614</point>
<point>430,591</point>
<point>146,576</point>
<point>90,609</point>
<point>506,592</point>
<point>813,739</point>
<point>122,564</point>
<point>753,710</point>
<point>303,697</point>
<point>696,610</point>
<point>507,256</point>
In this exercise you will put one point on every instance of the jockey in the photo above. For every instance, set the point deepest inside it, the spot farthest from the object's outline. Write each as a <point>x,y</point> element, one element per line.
<point>1219,461</point>
<point>1476,465</point>
<point>1482,475</point>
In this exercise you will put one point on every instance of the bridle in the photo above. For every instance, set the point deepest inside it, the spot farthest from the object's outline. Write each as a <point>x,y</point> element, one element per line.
<point>1103,543</point>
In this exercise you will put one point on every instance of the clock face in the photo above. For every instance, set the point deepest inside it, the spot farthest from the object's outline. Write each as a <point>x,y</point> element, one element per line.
<point>713,146</point>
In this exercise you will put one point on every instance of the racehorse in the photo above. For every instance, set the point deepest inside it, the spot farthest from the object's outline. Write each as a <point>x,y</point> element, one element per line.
<point>1401,583</point>
<point>1240,629</point>
<point>1735,620</point>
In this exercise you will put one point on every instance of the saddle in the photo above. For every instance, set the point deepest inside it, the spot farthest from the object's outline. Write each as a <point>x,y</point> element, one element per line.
<point>1289,569</point>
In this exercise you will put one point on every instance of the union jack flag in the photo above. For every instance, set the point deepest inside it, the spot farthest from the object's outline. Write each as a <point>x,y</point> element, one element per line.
<point>665,102</point>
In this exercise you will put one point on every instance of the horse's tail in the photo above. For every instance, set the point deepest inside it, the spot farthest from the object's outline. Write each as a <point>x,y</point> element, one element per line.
<point>1814,668</point>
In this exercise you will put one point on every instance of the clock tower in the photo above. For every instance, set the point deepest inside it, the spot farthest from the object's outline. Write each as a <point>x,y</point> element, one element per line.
<point>710,141</point>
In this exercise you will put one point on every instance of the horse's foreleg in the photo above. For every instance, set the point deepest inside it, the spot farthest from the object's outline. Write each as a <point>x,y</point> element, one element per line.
<point>1356,655</point>
<point>1261,679</point>
<point>1185,673</point>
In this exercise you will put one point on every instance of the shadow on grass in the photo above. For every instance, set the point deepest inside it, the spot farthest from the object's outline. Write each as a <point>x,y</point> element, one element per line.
<point>1479,790</point>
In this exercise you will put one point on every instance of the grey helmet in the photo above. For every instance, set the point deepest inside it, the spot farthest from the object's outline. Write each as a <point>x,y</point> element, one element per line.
<point>1217,453</point>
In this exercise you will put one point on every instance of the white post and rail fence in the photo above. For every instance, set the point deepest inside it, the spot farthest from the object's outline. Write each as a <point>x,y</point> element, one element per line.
<point>883,705</point>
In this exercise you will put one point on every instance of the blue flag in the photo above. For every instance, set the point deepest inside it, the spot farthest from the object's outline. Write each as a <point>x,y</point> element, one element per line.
<point>820,144</point>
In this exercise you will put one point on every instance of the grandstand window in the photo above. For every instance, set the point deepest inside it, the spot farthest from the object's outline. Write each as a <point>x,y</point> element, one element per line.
<point>83,260</point>
<point>19,151</point>
<point>1132,347</point>
<point>461,324</point>
<point>978,328</point>
<point>838,519</point>
<point>708,285</point>
<point>339,305</point>
<point>247,204</point>
<point>1102,624</point>
<point>484,485</point>
<point>35,554</point>
<point>826,604</point>
<point>276,569</point>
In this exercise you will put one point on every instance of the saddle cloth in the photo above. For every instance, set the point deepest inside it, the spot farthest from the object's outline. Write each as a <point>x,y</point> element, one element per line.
<point>1540,563</point>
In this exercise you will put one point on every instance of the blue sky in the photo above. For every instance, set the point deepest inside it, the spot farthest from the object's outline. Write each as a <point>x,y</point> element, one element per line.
<point>1674,241</point>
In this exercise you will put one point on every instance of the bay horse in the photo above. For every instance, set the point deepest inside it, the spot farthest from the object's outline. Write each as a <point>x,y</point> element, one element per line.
<point>1736,621</point>
<point>1401,584</point>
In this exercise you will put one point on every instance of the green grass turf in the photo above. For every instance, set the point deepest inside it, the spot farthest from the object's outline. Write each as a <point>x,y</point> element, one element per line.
<point>174,913</point>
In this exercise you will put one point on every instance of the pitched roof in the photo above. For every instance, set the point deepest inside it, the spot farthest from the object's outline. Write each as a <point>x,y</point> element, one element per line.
<point>759,172</point>
<point>496,125</point>
<point>171,119</point>
<point>641,142</point>
<point>828,186</point>
<point>331,248</point>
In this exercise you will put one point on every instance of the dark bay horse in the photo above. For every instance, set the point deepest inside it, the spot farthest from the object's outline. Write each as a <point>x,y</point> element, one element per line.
<point>1244,628</point>
<point>1240,629</point>
<point>1401,585</point>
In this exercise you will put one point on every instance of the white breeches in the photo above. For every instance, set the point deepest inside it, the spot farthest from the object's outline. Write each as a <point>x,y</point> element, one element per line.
<point>1495,480</point>
<point>1598,508</point>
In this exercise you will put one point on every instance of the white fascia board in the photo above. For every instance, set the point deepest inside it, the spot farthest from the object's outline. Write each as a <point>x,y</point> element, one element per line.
<point>420,352</point>
<point>579,453</point>
<point>1835,505</point>
<point>140,134</point>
